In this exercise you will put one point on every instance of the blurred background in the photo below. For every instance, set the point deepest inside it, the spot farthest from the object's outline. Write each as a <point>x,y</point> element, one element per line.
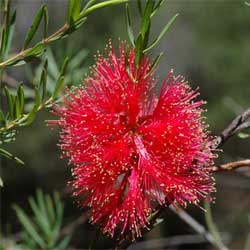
<point>209,44</point>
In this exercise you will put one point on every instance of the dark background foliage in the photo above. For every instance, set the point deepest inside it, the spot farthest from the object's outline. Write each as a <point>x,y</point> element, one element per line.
<point>208,44</point>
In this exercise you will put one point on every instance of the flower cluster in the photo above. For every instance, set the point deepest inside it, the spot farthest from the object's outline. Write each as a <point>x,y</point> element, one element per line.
<point>131,149</point>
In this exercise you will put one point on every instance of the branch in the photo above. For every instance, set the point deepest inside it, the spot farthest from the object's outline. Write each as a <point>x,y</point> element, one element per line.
<point>62,32</point>
<point>172,242</point>
<point>197,227</point>
<point>231,165</point>
<point>23,117</point>
<point>241,122</point>
<point>24,53</point>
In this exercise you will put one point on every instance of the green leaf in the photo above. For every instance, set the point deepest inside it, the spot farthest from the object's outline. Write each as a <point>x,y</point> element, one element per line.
<point>1,182</point>
<point>36,50</point>
<point>139,6</point>
<point>64,243</point>
<point>73,10</point>
<point>5,10</point>
<point>10,156</point>
<point>242,135</point>
<point>45,222</point>
<point>18,62</point>
<point>129,28</point>
<point>60,80</point>
<point>58,87</point>
<point>162,34</point>
<point>46,21</point>
<point>3,42</point>
<point>157,7</point>
<point>9,101</point>
<point>37,98</point>
<point>8,136</point>
<point>43,81</point>
<point>71,4</point>
<point>36,22</point>
<point>29,226</point>
<point>100,5</point>
<point>11,28</point>
<point>17,107</point>
<point>59,215</point>
<point>2,118</point>
<point>41,202</point>
<point>52,66</point>
<point>76,25</point>
<point>59,207</point>
<point>42,221</point>
<point>20,94</point>
<point>50,208</point>
<point>31,116</point>
<point>64,66</point>
<point>145,23</point>
<point>88,4</point>
<point>138,49</point>
<point>210,223</point>
<point>154,64</point>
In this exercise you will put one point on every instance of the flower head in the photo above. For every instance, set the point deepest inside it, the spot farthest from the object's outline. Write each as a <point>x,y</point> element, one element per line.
<point>131,150</point>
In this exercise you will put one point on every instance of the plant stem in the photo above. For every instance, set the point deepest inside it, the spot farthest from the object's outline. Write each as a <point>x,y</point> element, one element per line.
<point>45,41</point>
<point>13,123</point>
<point>198,227</point>
<point>231,165</point>
<point>211,224</point>
<point>5,21</point>
<point>239,123</point>
<point>61,31</point>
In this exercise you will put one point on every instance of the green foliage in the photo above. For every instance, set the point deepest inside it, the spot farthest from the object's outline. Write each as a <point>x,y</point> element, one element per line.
<point>7,31</point>
<point>129,28</point>
<point>19,113</point>
<point>162,34</point>
<point>42,13</point>
<point>75,18</point>
<point>73,11</point>
<point>24,102</point>
<point>242,135</point>
<point>1,182</point>
<point>48,83</point>
<point>212,227</point>
<point>42,229</point>
<point>141,42</point>
<point>73,75</point>
<point>10,156</point>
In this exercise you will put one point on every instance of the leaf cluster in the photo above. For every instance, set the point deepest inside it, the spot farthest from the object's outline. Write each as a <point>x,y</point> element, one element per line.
<point>76,17</point>
<point>23,103</point>
<point>42,229</point>
<point>141,41</point>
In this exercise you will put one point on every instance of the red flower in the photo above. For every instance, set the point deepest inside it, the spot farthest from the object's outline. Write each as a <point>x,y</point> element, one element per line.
<point>132,151</point>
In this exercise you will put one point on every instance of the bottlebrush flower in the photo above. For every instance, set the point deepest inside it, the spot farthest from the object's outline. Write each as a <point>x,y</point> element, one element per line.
<point>131,150</point>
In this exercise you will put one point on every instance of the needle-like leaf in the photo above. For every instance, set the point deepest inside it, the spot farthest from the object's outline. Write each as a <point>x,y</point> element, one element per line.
<point>162,34</point>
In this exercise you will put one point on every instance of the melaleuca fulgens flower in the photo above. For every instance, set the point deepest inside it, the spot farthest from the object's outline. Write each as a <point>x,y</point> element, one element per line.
<point>132,151</point>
